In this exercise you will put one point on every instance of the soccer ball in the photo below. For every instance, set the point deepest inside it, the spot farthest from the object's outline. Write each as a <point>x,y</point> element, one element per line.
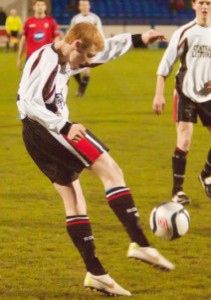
<point>169,220</point>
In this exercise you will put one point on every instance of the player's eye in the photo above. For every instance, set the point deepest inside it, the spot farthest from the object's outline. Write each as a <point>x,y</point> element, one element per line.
<point>91,55</point>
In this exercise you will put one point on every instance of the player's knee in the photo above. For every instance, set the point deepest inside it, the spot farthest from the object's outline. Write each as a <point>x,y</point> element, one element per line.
<point>116,174</point>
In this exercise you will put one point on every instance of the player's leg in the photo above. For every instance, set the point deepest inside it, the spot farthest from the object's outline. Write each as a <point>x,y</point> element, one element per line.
<point>121,201</point>
<point>205,176</point>
<point>77,78</point>
<point>78,225</point>
<point>84,81</point>
<point>185,114</point>
<point>80,232</point>
<point>184,137</point>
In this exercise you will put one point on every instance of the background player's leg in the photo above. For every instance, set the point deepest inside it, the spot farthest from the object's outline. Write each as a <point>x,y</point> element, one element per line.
<point>84,81</point>
<point>184,136</point>
<point>205,176</point>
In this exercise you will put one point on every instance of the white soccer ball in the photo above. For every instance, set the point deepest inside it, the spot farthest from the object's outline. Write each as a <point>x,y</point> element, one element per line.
<point>169,220</point>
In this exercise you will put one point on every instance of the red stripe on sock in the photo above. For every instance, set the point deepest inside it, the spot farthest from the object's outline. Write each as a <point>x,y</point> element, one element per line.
<point>77,222</point>
<point>118,195</point>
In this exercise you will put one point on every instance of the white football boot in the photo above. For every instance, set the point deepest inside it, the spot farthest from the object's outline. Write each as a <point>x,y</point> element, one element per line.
<point>149,255</point>
<point>181,198</point>
<point>104,284</point>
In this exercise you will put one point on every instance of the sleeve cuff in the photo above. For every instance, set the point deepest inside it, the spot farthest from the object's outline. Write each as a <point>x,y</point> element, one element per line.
<point>65,129</point>
<point>137,41</point>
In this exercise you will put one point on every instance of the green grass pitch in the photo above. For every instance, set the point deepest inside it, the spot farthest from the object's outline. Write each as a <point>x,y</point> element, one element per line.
<point>37,259</point>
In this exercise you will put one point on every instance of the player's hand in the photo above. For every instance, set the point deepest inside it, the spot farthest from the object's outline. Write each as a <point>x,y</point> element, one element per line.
<point>76,132</point>
<point>158,105</point>
<point>19,64</point>
<point>151,36</point>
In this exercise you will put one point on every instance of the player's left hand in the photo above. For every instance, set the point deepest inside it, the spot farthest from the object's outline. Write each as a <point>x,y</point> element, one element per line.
<point>151,36</point>
<point>76,133</point>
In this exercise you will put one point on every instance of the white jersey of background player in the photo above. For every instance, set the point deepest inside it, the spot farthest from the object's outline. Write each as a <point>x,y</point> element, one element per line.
<point>85,15</point>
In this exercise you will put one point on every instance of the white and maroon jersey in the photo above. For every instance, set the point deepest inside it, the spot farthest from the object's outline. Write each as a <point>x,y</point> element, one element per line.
<point>39,32</point>
<point>191,44</point>
<point>90,18</point>
<point>43,87</point>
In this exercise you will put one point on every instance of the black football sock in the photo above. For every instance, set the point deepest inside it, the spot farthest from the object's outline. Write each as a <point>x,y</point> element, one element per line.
<point>207,167</point>
<point>77,78</point>
<point>121,202</point>
<point>83,85</point>
<point>79,230</point>
<point>178,168</point>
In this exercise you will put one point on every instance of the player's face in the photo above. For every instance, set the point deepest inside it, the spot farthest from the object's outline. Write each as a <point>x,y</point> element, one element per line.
<point>203,10</point>
<point>80,57</point>
<point>39,7</point>
<point>84,7</point>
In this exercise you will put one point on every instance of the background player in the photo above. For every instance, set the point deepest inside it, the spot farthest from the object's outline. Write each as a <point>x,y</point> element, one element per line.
<point>85,15</point>
<point>38,31</point>
<point>13,27</point>
<point>192,45</point>
<point>62,149</point>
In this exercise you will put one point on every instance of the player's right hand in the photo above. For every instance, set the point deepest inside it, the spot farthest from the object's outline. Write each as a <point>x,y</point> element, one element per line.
<point>19,64</point>
<point>158,105</point>
<point>76,132</point>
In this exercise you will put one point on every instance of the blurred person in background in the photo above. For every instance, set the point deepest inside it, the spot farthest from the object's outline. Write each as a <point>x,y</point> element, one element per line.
<point>3,17</point>
<point>85,15</point>
<point>38,31</point>
<point>13,27</point>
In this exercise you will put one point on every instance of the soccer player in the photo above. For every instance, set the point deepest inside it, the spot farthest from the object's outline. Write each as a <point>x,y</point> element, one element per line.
<point>13,27</point>
<point>38,31</point>
<point>191,44</point>
<point>62,149</point>
<point>85,15</point>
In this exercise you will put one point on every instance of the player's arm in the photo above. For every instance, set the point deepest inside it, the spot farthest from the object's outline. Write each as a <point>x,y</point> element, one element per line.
<point>21,50</point>
<point>159,101</point>
<point>164,70</point>
<point>122,43</point>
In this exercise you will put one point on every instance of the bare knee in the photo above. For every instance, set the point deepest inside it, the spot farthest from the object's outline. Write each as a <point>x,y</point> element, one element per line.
<point>108,171</point>
<point>184,135</point>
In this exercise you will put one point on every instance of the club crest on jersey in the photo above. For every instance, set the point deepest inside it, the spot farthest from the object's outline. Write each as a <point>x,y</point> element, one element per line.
<point>46,25</point>
<point>38,36</point>
<point>59,100</point>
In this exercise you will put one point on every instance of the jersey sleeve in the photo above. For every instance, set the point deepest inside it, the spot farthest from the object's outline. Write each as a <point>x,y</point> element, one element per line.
<point>72,22</point>
<point>170,56</point>
<point>25,28</point>
<point>55,30</point>
<point>100,25</point>
<point>114,47</point>
<point>37,90</point>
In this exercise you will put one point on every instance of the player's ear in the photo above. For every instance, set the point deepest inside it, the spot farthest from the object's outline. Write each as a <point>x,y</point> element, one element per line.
<point>193,5</point>
<point>78,44</point>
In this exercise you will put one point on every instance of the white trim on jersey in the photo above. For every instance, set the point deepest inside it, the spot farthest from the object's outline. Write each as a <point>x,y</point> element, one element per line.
<point>191,44</point>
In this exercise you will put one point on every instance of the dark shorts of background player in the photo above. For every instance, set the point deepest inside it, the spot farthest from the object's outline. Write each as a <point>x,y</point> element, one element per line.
<point>53,159</point>
<point>187,111</point>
